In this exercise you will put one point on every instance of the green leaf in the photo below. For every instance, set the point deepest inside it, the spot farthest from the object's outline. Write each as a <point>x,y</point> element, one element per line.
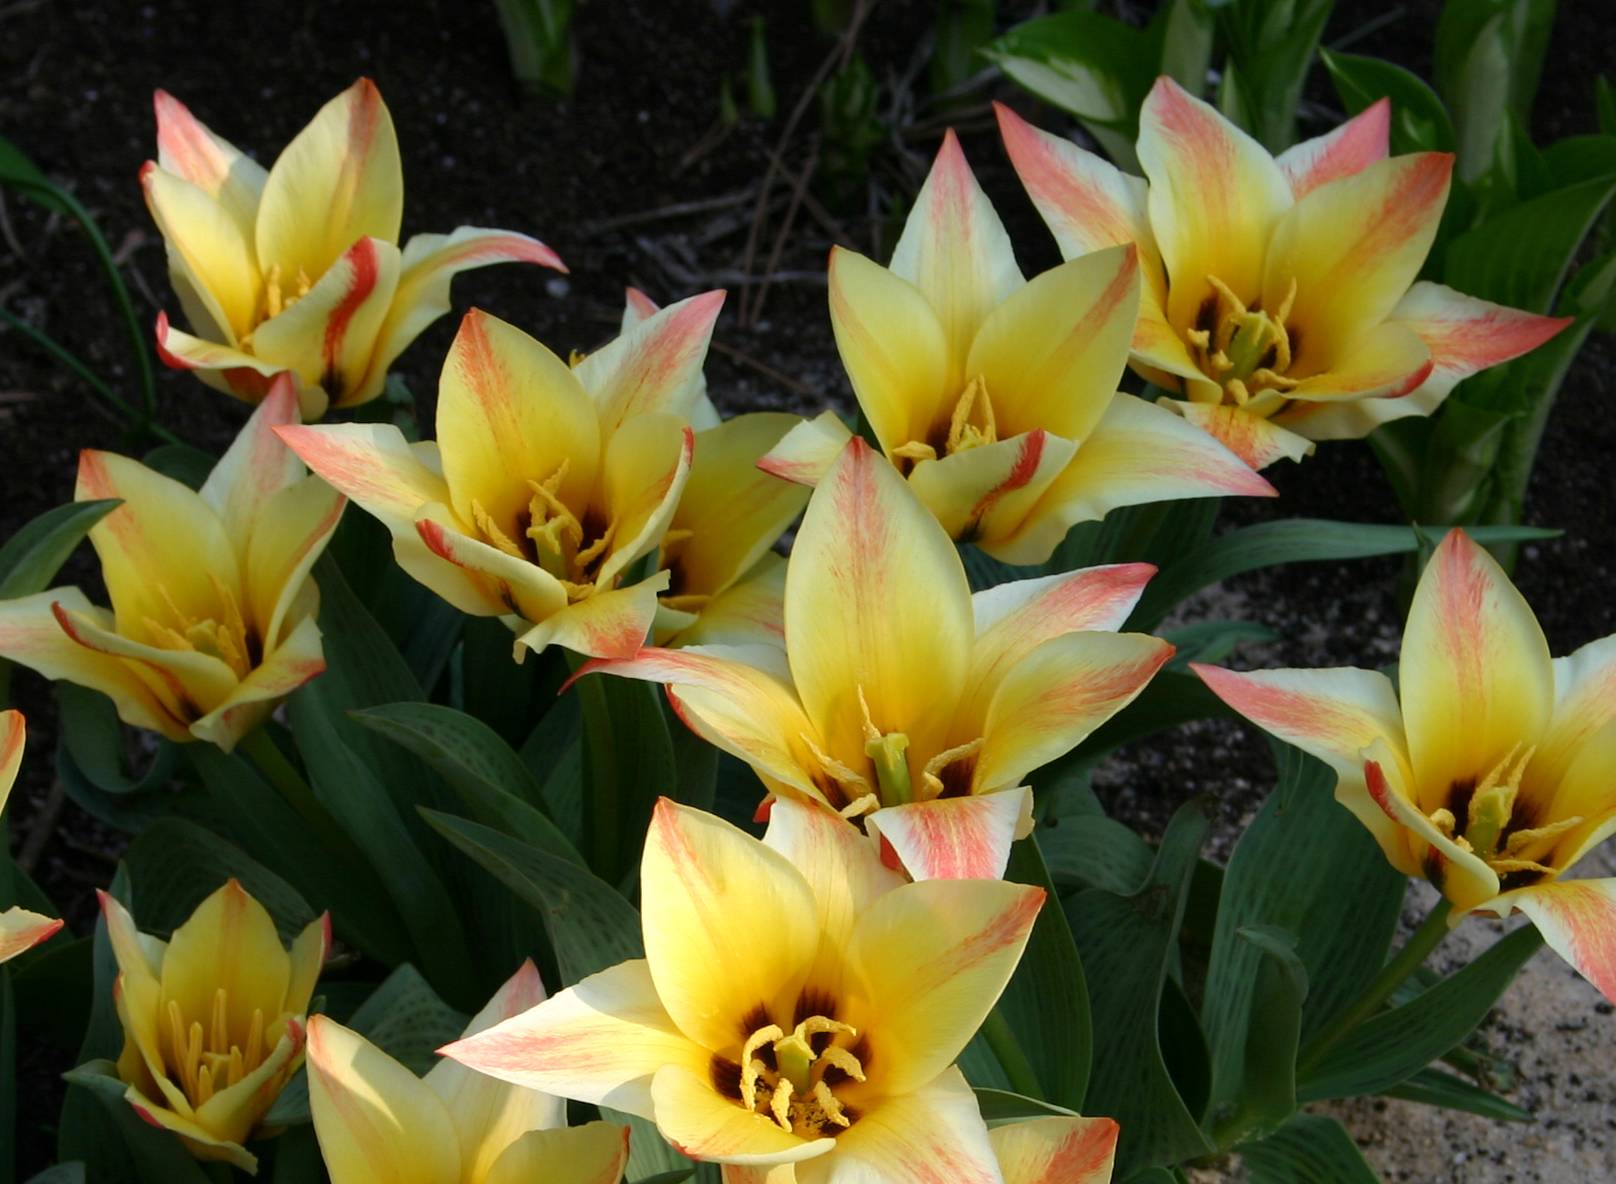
<point>1309,1149</point>
<point>1001,1105</point>
<point>186,464</point>
<point>1433,1087</point>
<point>31,558</point>
<point>8,1079</point>
<point>155,1153</point>
<point>1521,256</point>
<point>1094,851</point>
<point>1489,57</point>
<point>18,171</point>
<point>1127,944</point>
<point>590,924</point>
<point>1395,1045</point>
<point>62,1173</point>
<point>553,752</point>
<point>1254,1085</point>
<point>1419,123</point>
<point>627,763</point>
<point>1271,48</point>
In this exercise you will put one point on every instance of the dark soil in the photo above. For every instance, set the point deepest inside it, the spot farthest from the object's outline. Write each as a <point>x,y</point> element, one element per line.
<point>632,181</point>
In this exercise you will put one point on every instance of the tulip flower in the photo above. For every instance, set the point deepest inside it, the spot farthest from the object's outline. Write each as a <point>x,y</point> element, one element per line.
<point>1037,1151</point>
<point>19,929</point>
<point>298,269</point>
<point>375,1120</point>
<point>997,397</point>
<point>899,696</point>
<point>1279,293</point>
<point>548,482</point>
<point>213,1019</point>
<point>1490,771</point>
<point>213,608</point>
<point>798,1003</point>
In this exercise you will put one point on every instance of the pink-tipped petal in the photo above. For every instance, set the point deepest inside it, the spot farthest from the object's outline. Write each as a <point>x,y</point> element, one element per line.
<point>1466,335</point>
<point>653,366</point>
<point>1577,918</point>
<point>22,930</point>
<point>807,451</point>
<point>965,838</point>
<point>1350,148</point>
<point>1056,1150</point>
<point>1256,440</point>
<point>611,624</point>
<point>186,148</point>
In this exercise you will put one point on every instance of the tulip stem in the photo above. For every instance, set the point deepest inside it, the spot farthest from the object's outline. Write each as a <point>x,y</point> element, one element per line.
<point>996,1031</point>
<point>268,759</point>
<point>1394,974</point>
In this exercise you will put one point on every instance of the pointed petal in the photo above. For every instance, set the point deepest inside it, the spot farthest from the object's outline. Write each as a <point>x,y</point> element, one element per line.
<point>291,534</point>
<point>1056,1150</point>
<point>933,959</point>
<point>1352,248</point>
<point>734,512</point>
<point>13,737</point>
<point>876,603</point>
<point>308,954</point>
<point>429,264</point>
<point>200,1141</point>
<point>227,368</point>
<point>964,838</point>
<point>295,660</point>
<point>510,412</point>
<point>955,251</point>
<point>338,181</point>
<point>1475,676</point>
<point>1215,196</point>
<point>1577,918</point>
<point>235,1111</point>
<point>1050,701</point>
<point>1257,441</point>
<point>805,454</point>
<point>595,1153</point>
<point>257,465</point>
<point>611,624</point>
<point>215,248</point>
<point>1586,790</point>
<point>894,349</point>
<point>704,1124</point>
<point>752,612</point>
<point>647,466</point>
<point>189,683</point>
<point>1350,149</point>
<point>654,367</point>
<point>984,494</point>
<point>1138,453</point>
<point>186,148</point>
<point>374,465</point>
<point>22,930</point>
<point>1466,335</point>
<point>229,943</point>
<point>599,1042</point>
<point>729,926</point>
<point>375,1120</point>
<point>932,1133</point>
<point>1585,703</point>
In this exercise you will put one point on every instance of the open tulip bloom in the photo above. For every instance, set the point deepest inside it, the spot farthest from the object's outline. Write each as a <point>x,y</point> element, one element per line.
<point>1490,771</point>
<point>213,608</point>
<point>376,1120</point>
<point>213,1018</point>
<point>995,396</point>
<point>547,483</point>
<point>298,269</point>
<point>1279,293</point>
<point>798,1003</point>
<point>900,696</point>
<point>20,929</point>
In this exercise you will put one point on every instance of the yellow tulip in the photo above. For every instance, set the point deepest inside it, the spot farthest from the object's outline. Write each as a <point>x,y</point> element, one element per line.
<point>1279,293</point>
<point>376,1120</point>
<point>213,609</point>
<point>797,1003</point>
<point>995,396</point>
<point>548,482</point>
<point>213,1019</point>
<point>19,929</point>
<point>299,269</point>
<point>1038,1151</point>
<point>1490,771</point>
<point>898,695</point>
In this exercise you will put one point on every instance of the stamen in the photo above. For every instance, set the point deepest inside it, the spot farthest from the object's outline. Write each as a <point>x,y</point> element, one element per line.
<point>840,1058</point>
<point>780,1105</point>
<point>962,434</point>
<point>751,1067</point>
<point>830,1104</point>
<point>255,1040</point>
<point>491,532</point>
<point>204,1086</point>
<point>220,1034</point>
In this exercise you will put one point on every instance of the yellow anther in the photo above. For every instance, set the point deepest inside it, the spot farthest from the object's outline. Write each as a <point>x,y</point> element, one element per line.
<point>204,1086</point>
<point>962,433</point>
<point>220,1034</point>
<point>1539,841</point>
<point>574,357</point>
<point>1443,820</point>
<point>491,531</point>
<point>835,769</point>
<point>780,1105</point>
<point>831,1106</point>
<point>844,1060</point>
<point>751,1067</point>
<point>915,450</point>
<point>272,292</point>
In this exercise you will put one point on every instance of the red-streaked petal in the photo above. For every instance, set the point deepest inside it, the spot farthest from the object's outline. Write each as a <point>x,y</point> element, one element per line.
<point>257,465</point>
<point>1577,919</point>
<point>705,1125</point>
<point>22,930</point>
<point>1256,440</point>
<point>984,494</point>
<point>805,453</point>
<point>1351,148</point>
<point>226,368</point>
<point>186,148</point>
<point>1056,1150</point>
<point>965,838</point>
<point>1466,334</point>
<point>1455,871</point>
<point>13,737</point>
<point>652,366</point>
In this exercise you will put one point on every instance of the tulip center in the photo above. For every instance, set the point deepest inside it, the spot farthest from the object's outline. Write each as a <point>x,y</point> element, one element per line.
<point>553,536</point>
<point>204,1059</point>
<point>280,296</point>
<point>1246,351</point>
<point>792,1077</point>
<point>1488,819</point>
<point>971,424</point>
<point>225,637</point>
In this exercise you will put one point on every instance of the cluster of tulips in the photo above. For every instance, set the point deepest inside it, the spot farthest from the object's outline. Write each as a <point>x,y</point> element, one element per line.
<point>804,997</point>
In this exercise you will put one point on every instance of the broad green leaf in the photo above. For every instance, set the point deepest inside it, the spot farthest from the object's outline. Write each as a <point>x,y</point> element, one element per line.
<point>1254,1056</point>
<point>1581,158</point>
<point>31,558</point>
<point>1157,532</point>
<point>1271,48</point>
<point>53,983</point>
<point>1126,944</point>
<point>1093,851</point>
<point>1420,122</point>
<point>1000,1105</point>
<point>1393,1046</point>
<point>591,925</point>
<point>627,764</point>
<point>186,464</point>
<point>1521,256</point>
<point>1433,1087</point>
<point>1309,1149</point>
<point>505,694</point>
<point>8,1078</point>
<point>297,1157</point>
<point>553,752</point>
<point>1489,57</point>
<point>1213,641</point>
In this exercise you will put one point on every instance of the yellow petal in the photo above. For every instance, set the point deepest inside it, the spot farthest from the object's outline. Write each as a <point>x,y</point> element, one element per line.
<point>894,349</point>
<point>164,553</point>
<point>752,612</point>
<point>877,605</point>
<point>653,367</point>
<point>1052,353</point>
<point>429,264</point>
<point>374,465</point>
<point>228,943</point>
<point>308,955</point>
<point>234,1112</point>
<point>1351,148</point>
<point>646,467</point>
<point>933,959</point>
<point>606,625</point>
<point>729,927</point>
<point>1215,196</point>
<point>955,251</point>
<point>226,368</point>
<point>595,1153</point>
<point>1056,1150</point>
<point>248,704</point>
<point>1584,704</point>
<point>13,736</point>
<point>704,1124</point>
<point>1466,335</point>
<point>960,838</point>
<point>509,584</point>
<point>256,466</point>
<point>805,454</point>
<point>291,533</point>
<point>1257,441</point>
<point>1577,919</point>
<point>186,148</point>
<point>337,182</point>
<point>1474,676</point>
<point>215,248</point>
<point>22,930</point>
<point>511,412</point>
<point>1352,247</point>
<point>934,1132</point>
<point>327,336</point>
<point>375,1120</point>
<point>733,511</point>
<point>198,1139</point>
<point>599,1041</point>
<point>984,494</point>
